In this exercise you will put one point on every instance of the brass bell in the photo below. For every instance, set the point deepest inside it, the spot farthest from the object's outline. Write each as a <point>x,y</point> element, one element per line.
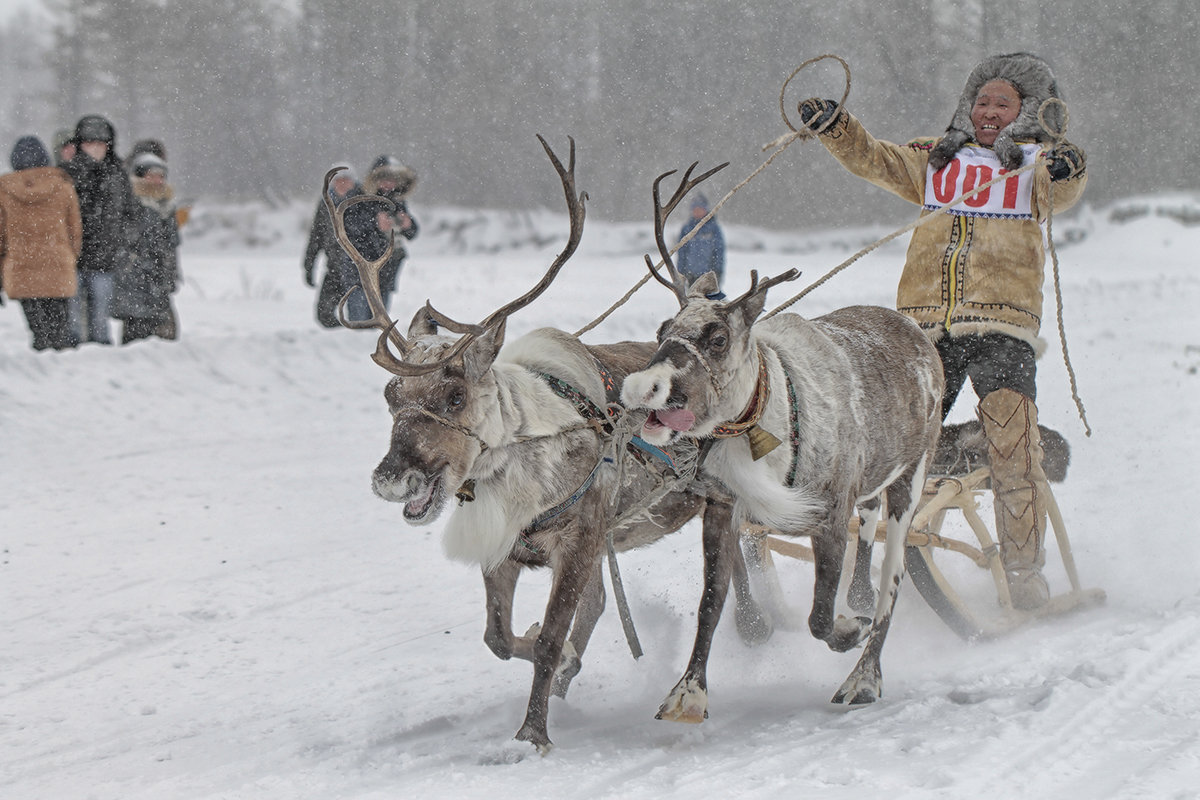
<point>761,442</point>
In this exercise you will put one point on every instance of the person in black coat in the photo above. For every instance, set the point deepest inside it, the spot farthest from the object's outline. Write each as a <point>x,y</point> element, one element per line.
<point>108,210</point>
<point>340,273</point>
<point>146,280</point>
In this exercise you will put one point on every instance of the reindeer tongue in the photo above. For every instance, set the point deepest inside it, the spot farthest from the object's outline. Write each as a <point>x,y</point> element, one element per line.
<point>677,419</point>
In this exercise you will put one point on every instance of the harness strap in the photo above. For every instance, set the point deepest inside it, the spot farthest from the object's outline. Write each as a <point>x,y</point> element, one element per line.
<point>761,442</point>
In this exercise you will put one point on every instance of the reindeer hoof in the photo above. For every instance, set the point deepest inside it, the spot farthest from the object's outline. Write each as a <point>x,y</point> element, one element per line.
<point>848,633</point>
<point>538,738</point>
<point>863,687</point>
<point>687,702</point>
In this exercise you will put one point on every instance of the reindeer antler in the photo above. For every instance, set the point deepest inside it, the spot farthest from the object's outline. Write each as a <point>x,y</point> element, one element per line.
<point>756,287</point>
<point>677,284</point>
<point>368,273</point>
<point>576,211</point>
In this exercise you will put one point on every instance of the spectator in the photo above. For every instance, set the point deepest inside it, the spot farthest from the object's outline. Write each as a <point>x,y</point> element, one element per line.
<point>704,252</point>
<point>64,146</point>
<point>108,209</point>
<point>40,238</point>
<point>340,272</point>
<point>393,180</point>
<point>149,276</point>
<point>973,277</point>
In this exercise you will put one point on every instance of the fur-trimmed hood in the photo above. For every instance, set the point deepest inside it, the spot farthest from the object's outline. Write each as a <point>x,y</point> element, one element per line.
<point>1035,82</point>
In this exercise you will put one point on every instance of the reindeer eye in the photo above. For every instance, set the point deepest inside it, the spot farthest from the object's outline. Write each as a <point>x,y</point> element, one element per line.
<point>718,342</point>
<point>455,401</point>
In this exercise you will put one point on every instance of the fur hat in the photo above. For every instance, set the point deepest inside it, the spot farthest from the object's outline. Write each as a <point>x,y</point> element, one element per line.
<point>1033,80</point>
<point>144,163</point>
<point>389,168</point>
<point>29,152</point>
<point>154,146</point>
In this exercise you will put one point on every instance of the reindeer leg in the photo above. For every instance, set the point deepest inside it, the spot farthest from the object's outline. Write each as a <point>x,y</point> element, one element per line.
<point>591,606</point>
<point>865,683</point>
<point>688,701</point>
<point>753,624</point>
<point>829,554</point>
<point>861,596</point>
<point>571,575</point>
<point>500,585</point>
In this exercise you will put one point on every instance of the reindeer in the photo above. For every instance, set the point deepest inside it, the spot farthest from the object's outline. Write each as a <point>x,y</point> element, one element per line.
<point>521,438</point>
<point>807,419</point>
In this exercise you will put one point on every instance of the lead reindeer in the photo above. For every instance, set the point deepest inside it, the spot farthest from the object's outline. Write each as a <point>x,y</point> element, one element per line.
<point>809,419</point>
<point>520,436</point>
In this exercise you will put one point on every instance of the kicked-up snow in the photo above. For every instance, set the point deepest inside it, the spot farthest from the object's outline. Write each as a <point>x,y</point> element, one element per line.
<point>201,597</point>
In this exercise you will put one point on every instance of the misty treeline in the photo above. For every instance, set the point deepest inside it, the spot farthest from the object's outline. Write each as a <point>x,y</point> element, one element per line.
<point>256,98</point>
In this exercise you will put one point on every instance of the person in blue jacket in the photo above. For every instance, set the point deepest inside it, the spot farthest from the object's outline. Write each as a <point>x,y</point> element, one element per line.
<point>705,252</point>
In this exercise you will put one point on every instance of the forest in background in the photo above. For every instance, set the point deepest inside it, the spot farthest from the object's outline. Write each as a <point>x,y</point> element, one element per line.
<point>256,98</point>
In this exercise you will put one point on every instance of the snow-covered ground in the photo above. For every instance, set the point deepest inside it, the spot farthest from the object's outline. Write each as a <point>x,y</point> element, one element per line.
<point>201,597</point>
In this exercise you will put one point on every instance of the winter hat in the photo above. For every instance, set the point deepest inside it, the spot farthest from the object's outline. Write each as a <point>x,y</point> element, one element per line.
<point>1033,80</point>
<point>154,146</point>
<point>145,163</point>
<point>700,201</point>
<point>95,128</point>
<point>29,152</point>
<point>390,168</point>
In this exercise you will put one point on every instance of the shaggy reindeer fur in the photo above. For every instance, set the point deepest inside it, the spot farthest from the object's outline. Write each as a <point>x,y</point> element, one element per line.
<point>526,449</point>
<point>868,387</point>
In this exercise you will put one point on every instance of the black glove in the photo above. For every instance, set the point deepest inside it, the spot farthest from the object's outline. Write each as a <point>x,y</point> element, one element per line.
<point>1065,161</point>
<point>815,112</point>
<point>308,275</point>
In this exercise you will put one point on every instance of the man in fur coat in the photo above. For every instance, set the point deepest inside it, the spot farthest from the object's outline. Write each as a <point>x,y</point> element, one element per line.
<point>973,277</point>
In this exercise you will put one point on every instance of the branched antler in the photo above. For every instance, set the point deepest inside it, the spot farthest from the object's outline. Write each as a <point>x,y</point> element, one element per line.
<point>368,274</point>
<point>756,287</point>
<point>576,211</point>
<point>678,283</point>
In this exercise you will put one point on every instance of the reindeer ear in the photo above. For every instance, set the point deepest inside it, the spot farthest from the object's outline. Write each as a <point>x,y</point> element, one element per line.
<point>704,286</point>
<point>753,305</point>
<point>478,358</point>
<point>421,325</point>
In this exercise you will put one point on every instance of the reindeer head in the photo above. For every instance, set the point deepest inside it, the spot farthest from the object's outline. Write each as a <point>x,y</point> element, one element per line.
<point>441,420</point>
<point>443,401</point>
<point>706,364</point>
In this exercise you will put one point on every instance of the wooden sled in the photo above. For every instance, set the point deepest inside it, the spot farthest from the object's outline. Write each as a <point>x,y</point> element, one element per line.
<point>926,543</point>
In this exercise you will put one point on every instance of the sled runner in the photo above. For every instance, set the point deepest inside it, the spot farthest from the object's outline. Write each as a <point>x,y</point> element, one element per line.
<point>948,585</point>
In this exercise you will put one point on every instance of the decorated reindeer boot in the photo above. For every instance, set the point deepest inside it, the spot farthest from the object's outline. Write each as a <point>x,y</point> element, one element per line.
<point>1019,484</point>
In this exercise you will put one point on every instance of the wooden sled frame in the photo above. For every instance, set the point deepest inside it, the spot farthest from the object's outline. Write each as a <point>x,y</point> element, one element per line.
<point>941,495</point>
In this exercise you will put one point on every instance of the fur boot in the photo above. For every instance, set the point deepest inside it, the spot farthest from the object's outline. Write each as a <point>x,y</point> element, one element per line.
<point>1019,484</point>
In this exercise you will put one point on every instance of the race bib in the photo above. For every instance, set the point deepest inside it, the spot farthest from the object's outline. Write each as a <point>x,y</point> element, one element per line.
<point>975,166</point>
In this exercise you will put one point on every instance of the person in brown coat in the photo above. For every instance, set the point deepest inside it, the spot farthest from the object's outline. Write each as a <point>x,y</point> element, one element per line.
<point>973,277</point>
<point>40,238</point>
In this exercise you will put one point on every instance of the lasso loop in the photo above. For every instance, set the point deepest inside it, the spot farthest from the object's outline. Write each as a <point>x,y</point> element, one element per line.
<point>1056,135</point>
<point>804,130</point>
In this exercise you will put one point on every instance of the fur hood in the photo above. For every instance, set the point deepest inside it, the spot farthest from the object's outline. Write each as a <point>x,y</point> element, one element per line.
<point>1035,82</point>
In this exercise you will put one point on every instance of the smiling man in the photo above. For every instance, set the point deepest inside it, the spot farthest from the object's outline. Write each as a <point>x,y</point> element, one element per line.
<point>973,277</point>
